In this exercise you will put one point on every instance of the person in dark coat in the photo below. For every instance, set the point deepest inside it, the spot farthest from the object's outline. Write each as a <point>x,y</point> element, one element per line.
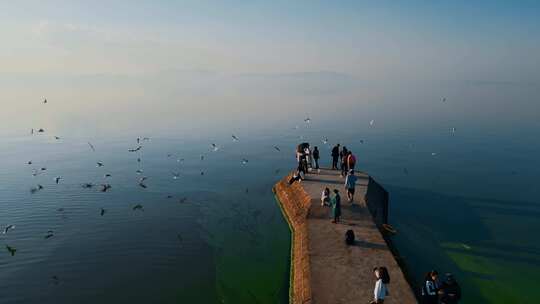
<point>316,157</point>
<point>336,206</point>
<point>343,156</point>
<point>451,292</point>
<point>335,157</point>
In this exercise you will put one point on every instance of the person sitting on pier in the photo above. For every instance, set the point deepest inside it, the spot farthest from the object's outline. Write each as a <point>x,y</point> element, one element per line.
<point>335,156</point>
<point>429,290</point>
<point>451,290</point>
<point>381,290</point>
<point>325,197</point>
<point>350,184</point>
<point>336,206</point>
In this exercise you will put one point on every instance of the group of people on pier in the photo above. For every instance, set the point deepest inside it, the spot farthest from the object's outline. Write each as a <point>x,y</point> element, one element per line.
<point>433,290</point>
<point>308,161</point>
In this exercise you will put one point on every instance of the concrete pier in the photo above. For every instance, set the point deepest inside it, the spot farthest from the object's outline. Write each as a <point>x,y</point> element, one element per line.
<point>324,270</point>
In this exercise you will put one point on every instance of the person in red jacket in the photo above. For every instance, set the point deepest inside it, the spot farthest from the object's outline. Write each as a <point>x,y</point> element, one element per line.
<point>351,161</point>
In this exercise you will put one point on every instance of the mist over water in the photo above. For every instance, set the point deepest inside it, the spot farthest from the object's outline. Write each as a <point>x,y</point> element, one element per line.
<point>452,90</point>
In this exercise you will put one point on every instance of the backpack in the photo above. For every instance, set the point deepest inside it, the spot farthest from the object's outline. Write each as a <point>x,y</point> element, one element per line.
<point>349,237</point>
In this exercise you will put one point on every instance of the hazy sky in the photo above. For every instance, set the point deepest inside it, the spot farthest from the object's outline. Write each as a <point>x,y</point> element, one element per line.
<point>219,57</point>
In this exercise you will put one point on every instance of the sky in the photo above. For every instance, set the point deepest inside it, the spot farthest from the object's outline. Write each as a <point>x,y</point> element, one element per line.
<point>206,63</point>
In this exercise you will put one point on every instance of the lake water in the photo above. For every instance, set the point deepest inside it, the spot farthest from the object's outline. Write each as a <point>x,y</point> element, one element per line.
<point>463,202</point>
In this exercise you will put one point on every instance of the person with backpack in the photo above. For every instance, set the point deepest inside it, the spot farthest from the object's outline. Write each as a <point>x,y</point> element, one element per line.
<point>336,206</point>
<point>335,156</point>
<point>316,157</point>
<point>350,184</point>
<point>381,289</point>
<point>429,290</point>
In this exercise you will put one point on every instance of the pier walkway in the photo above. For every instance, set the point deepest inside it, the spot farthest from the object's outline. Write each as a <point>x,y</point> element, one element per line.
<point>324,269</point>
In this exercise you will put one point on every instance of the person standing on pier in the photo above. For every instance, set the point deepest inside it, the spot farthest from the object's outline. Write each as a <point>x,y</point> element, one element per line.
<point>381,290</point>
<point>335,156</point>
<point>316,157</point>
<point>351,161</point>
<point>336,206</point>
<point>451,290</point>
<point>350,184</point>
<point>343,157</point>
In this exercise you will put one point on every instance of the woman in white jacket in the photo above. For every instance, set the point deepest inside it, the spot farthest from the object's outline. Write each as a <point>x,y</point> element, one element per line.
<point>381,290</point>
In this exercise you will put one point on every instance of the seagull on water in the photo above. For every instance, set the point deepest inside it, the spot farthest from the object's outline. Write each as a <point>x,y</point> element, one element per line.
<point>29,162</point>
<point>56,137</point>
<point>40,130</point>
<point>57,179</point>
<point>215,148</point>
<point>244,161</point>
<point>102,211</point>
<point>87,185</point>
<point>307,120</point>
<point>8,228</point>
<point>49,234</point>
<point>107,175</point>
<point>105,187</point>
<point>11,250</point>
<point>139,171</point>
<point>138,207</point>
<point>176,175</point>
<point>45,100</point>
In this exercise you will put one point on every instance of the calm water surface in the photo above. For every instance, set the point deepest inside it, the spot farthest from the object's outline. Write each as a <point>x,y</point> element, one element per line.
<point>462,202</point>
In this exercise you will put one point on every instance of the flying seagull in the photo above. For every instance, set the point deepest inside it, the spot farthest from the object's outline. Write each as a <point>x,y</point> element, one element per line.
<point>107,175</point>
<point>244,161</point>
<point>56,137</point>
<point>99,164</point>
<point>142,179</point>
<point>146,138</point>
<point>92,147</point>
<point>433,153</point>
<point>138,207</point>
<point>11,250</point>
<point>139,171</point>
<point>136,149</point>
<point>57,179</point>
<point>453,130</point>
<point>36,189</point>
<point>215,147</point>
<point>325,140</point>
<point>29,162</point>
<point>307,120</point>
<point>235,138</point>
<point>176,175</point>
<point>8,227</point>
<point>142,185</point>
<point>277,148</point>
<point>372,122</point>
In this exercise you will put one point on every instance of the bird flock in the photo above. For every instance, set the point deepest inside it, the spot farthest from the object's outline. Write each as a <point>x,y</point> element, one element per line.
<point>106,186</point>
